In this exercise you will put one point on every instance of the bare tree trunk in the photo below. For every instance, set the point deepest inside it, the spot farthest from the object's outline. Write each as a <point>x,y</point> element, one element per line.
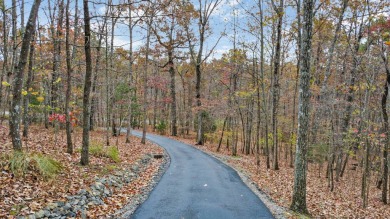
<point>385,127</point>
<point>30,75</point>
<point>365,179</point>
<point>5,51</point>
<point>14,59</point>
<point>200,133</point>
<point>206,9</point>
<point>18,81</point>
<point>57,57</point>
<point>145,104</point>
<point>265,111</point>
<point>350,96</point>
<point>299,44</point>
<point>299,192</point>
<point>87,85</point>
<point>107,83</point>
<point>275,89</point>
<point>69,146</point>
<point>130,76</point>
<point>173,94</point>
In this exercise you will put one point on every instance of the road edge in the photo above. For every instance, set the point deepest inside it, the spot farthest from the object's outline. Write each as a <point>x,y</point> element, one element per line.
<point>128,210</point>
<point>279,212</point>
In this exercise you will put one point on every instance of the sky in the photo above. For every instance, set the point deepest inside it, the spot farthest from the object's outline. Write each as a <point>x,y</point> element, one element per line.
<point>222,21</point>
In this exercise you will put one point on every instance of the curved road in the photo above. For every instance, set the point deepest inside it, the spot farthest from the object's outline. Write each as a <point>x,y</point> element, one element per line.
<point>197,185</point>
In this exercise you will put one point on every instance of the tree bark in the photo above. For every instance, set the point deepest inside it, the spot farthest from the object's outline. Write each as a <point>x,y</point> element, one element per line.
<point>69,146</point>
<point>5,51</point>
<point>145,99</point>
<point>87,85</point>
<point>385,127</point>
<point>57,57</point>
<point>299,192</point>
<point>130,76</point>
<point>26,99</point>
<point>275,89</point>
<point>173,94</point>
<point>19,75</point>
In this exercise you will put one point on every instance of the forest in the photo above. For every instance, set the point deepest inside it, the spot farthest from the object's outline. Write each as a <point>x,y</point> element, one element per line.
<point>292,92</point>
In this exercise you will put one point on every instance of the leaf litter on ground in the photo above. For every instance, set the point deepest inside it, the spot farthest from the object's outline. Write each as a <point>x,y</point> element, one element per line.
<point>23,195</point>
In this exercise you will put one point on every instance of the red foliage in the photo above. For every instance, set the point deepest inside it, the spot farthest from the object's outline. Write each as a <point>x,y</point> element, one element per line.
<point>57,117</point>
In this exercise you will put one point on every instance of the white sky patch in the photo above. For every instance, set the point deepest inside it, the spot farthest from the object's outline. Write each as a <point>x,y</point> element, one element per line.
<point>217,53</point>
<point>125,43</point>
<point>230,2</point>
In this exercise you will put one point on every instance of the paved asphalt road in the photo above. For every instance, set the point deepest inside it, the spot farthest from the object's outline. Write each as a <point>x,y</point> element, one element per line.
<point>198,186</point>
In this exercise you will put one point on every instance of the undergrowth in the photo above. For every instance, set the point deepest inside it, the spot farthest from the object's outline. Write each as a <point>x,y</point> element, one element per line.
<point>113,153</point>
<point>97,149</point>
<point>47,166</point>
<point>20,163</point>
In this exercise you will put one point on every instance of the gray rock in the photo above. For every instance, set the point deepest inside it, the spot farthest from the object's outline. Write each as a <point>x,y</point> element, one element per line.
<point>118,173</point>
<point>53,215</point>
<point>84,214</point>
<point>40,214</point>
<point>99,185</point>
<point>135,168</point>
<point>51,206</point>
<point>71,214</point>
<point>81,203</point>
<point>32,216</point>
<point>60,212</point>
<point>107,192</point>
<point>67,207</point>
<point>76,208</point>
<point>75,202</point>
<point>46,213</point>
<point>103,180</point>
<point>95,193</point>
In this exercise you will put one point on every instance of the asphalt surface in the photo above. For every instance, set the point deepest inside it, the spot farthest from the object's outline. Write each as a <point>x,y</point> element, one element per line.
<point>197,185</point>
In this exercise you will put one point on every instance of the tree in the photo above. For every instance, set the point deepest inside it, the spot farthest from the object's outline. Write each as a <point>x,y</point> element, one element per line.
<point>299,193</point>
<point>26,99</point>
<point>56,35</point>
<point>383,42</point>
<point>275,89</point>
<point>87,85</point>
<point>204,12</point>
<point>170,33</point>
<point>385,125</point>
<point>5,49</point>
<point>150,13</point>
<point>18,80</point>
<point>69,69</point>
<point>131,62</point>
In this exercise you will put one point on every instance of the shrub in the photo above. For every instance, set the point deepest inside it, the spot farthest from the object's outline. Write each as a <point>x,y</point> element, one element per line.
<point>161,127</point>
<point>96,149</point>
<point>113,153</point>
<point>18,163</point>
<point>47,166</point>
